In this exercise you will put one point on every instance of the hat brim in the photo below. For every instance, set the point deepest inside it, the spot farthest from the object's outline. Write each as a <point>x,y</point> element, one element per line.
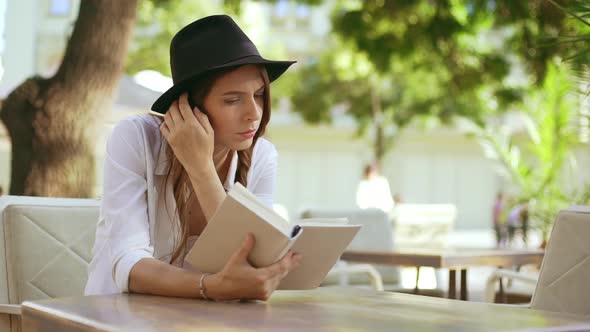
<point>274,69</point>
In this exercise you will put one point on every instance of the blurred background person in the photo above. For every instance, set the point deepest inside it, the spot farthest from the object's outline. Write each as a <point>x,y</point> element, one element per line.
<point>397,198</point>
<point>518,219</point>
<point>373,190</point>
<point>497,222</point>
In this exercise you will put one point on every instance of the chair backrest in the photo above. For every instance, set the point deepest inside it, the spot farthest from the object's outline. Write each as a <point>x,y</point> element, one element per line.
<point>423,225</point>
<point>46,248</point>
<point>565,271</point>
<point>376,230</point>
<point>376,234</point>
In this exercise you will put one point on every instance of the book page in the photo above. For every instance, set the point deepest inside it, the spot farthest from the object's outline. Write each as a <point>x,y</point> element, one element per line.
<point>324,222</point>
<point>241,194</point>
<point>321,247</point>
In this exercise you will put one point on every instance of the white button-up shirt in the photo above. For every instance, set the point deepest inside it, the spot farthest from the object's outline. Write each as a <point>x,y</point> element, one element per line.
<point>136,220</point>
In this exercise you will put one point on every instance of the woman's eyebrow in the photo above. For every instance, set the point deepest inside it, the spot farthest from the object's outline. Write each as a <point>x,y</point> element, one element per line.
<point>236,92</point>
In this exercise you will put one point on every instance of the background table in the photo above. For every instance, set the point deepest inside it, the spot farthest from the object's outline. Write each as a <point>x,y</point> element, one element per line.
<point>450,258</point>
<point>324,309</point>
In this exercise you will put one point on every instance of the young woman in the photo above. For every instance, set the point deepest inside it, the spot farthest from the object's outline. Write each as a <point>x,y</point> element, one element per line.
<point>166,175</point>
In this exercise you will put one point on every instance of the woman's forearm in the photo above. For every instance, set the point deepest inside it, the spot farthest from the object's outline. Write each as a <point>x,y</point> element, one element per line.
<point>208,189</point>
<point>237,280</point>
<point>152,276</point>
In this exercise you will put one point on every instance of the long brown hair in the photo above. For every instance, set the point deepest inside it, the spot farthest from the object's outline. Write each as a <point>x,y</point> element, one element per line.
<point>177,175</point>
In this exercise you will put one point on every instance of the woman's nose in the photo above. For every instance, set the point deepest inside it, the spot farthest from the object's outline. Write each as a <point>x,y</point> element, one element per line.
<point>254,111</point>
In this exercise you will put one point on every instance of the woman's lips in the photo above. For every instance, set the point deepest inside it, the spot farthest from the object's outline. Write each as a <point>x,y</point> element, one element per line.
<point>248,134</point>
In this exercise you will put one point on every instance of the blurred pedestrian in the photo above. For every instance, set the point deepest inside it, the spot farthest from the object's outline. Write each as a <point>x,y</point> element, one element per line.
<point>518,219</point>
<point>373,190</point>
<point>497,222</point>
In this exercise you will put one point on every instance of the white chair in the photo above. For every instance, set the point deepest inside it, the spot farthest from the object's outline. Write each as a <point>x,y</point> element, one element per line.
<point>562,283</point>
<point>375,234</point>
<point>526,280</point>
<point>343,271</point>
<point>423,226</point>
<point>46,248</point>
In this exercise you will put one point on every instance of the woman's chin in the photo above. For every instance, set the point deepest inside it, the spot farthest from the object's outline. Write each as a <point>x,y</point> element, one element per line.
<point>242,145</point>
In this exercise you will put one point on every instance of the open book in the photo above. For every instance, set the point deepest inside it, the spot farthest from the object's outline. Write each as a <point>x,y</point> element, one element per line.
<point>320,241</point>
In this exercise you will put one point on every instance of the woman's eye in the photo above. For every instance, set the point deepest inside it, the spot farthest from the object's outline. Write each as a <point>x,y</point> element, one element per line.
<point>259,95</point>
<point>232,101</point>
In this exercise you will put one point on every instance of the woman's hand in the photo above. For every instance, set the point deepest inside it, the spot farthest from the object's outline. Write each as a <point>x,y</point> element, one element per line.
<point>190,135</point>
<point>240,280</point>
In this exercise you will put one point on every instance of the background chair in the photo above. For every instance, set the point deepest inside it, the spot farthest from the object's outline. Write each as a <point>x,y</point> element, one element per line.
<point>562,284</point>
<point>375,234</point>
<point>46,249</point>
<point>511,283</point>
<point>423,226</point>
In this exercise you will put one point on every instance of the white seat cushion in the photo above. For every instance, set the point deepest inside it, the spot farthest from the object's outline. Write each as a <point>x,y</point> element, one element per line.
<point>565,272</point>
<point>48,245</point>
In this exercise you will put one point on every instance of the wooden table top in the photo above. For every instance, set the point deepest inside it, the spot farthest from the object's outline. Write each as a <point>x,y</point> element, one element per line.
<point>453,258</point>
<point>323,309</point>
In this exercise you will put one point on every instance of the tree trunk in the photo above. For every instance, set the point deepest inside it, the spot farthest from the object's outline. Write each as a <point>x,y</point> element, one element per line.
<point>52,122</point>
<point>378,120</point>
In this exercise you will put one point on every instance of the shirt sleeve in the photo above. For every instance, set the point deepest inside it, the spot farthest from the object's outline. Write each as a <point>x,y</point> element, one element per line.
<point>264,176</point>
<point>124,202</point>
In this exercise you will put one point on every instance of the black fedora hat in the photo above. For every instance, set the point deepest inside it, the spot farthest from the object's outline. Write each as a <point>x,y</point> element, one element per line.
<point>211,43</point>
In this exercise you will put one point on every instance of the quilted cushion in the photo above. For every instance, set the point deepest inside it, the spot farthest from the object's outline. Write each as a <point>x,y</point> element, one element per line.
<point>48,244</point>
<point>565,271</point>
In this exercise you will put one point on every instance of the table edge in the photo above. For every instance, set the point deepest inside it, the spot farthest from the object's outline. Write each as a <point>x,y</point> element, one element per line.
<point>29,308</point>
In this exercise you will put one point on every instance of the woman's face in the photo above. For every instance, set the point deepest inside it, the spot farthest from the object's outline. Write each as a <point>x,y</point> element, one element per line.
<point>234,105</point>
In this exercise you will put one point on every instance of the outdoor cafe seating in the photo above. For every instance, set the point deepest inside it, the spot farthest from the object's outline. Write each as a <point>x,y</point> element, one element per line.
<point>47,245</point>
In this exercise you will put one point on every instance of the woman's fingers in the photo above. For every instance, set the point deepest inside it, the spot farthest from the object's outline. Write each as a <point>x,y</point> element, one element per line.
<point>164,129</point>
<point>175,113</point>
<point>241,255</point>
<point>203,120</point>
<point>168,116</point>
<point>184,107</point>
<point>187,114</point>
<point>272,275</point>
<point>257,283</point>
<point>180,113</point>
<point>281,268</point>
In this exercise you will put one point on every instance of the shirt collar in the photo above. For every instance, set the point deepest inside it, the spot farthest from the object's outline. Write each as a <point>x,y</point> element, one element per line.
<point>162,165</point>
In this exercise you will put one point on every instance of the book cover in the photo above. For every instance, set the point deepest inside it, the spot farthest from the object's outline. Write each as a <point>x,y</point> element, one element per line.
<point>320,241</point>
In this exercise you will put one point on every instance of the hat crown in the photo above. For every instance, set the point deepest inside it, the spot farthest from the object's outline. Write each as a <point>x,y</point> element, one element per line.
<point>211,43</point>
<point>208,43</point>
